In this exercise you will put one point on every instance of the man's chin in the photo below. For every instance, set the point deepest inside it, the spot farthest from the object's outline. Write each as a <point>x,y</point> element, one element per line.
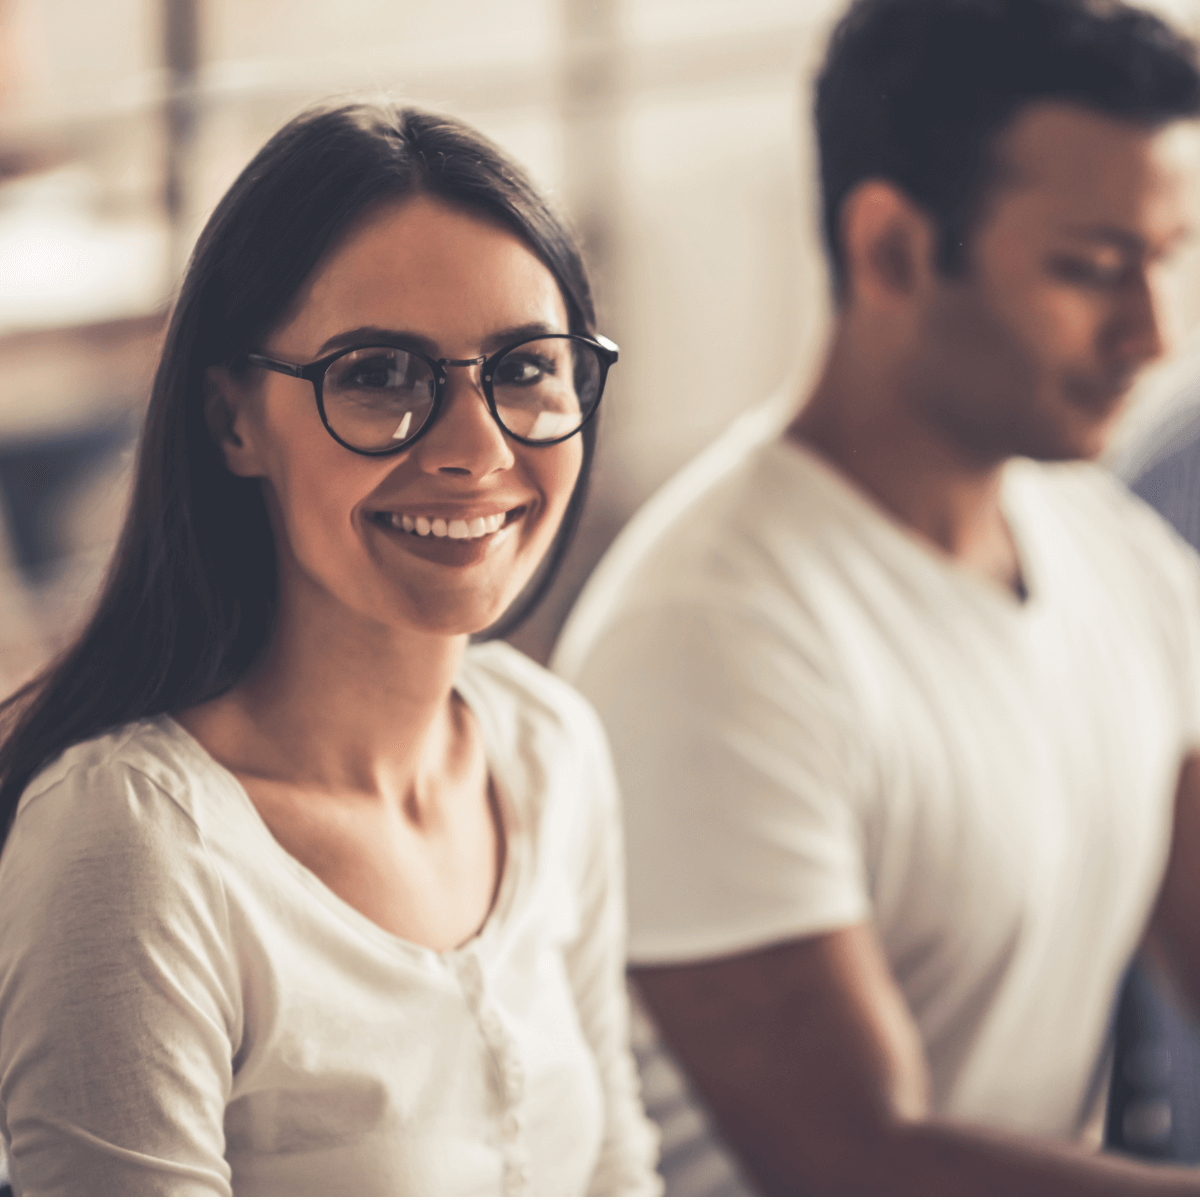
<point>1082,440</point>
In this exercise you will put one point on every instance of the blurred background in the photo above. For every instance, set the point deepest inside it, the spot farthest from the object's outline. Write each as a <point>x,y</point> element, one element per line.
<point>674,133</point>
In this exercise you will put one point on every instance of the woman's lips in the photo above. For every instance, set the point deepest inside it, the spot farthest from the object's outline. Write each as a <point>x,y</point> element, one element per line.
<point>457,528</point>
<point>450,540</point>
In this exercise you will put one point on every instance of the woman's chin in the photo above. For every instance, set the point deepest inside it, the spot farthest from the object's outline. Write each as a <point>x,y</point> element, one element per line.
<point>458,617</point>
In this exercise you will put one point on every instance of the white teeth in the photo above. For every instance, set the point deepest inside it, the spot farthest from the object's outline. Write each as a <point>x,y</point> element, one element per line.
<point>460,529</point>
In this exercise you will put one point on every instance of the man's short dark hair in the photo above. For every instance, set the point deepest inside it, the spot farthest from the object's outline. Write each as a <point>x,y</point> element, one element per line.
<point>916,92</point>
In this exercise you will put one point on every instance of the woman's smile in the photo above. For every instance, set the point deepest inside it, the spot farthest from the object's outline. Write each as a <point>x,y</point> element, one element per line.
<point>454,535</point>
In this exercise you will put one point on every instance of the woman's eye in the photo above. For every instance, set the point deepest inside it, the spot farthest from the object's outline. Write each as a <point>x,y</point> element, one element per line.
<point>377,373</point>
<point>523,371</point>
<point>393,372</point>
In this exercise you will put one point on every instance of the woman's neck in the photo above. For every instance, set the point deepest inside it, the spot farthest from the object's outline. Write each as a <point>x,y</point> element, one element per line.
<point>339,703</point>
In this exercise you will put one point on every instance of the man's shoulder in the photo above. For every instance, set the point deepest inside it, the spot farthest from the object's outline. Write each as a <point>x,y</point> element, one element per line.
<point>724,534</point>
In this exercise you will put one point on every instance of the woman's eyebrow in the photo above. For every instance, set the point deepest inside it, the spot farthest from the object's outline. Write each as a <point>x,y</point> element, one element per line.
<point>376,335</point>
<point>518,333</point>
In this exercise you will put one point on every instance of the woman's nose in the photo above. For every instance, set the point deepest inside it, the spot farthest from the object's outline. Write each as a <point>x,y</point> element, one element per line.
<point>465,439</point>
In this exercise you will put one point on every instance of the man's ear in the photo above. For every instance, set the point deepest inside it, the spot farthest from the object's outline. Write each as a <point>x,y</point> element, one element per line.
<point>888,242</point>
<point>226,413</point>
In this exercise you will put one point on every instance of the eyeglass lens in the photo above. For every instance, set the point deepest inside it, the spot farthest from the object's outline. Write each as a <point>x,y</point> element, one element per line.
<point>377,397</point>
<point>380,397</point>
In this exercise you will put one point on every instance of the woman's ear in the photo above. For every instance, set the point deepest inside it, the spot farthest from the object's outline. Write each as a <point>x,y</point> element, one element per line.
<point>227,405</point>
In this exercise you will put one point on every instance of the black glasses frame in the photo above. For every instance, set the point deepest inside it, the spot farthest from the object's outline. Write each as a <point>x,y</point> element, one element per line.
<point>606,352</point>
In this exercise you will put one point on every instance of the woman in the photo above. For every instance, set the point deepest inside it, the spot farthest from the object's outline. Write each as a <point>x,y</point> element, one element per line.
<point>301,895</point>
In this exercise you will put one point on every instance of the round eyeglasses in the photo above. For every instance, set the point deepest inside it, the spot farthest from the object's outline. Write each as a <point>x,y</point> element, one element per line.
<point>378,400</point>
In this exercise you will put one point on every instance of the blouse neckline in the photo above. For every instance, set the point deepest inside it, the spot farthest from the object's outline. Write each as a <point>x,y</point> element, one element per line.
<point>515,821</point>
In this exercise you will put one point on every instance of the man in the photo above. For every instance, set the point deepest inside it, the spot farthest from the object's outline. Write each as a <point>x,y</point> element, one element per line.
<point>906,702</point>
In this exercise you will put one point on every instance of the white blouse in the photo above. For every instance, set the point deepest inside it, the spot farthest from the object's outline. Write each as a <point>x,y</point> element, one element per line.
<point>187,1010</point>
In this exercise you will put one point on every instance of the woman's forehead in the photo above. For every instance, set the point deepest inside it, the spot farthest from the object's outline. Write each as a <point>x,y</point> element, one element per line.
<point>422,265</point>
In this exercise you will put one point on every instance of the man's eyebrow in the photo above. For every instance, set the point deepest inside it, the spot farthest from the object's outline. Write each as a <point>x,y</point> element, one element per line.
<point>1109,235</point>
<point>374,335</point>
<point>1130,243</point>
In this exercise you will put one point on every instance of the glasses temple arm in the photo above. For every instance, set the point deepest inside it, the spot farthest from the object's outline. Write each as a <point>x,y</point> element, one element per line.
<point>273,364</point>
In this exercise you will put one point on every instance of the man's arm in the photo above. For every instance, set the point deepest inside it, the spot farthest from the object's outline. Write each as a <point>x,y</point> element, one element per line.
<point>810,1061</point>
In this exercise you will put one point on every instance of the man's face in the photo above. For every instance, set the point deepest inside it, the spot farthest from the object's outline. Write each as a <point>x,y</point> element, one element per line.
<point>1033,348</point>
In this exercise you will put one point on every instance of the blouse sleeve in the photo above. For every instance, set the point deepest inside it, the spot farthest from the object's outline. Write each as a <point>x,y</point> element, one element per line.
<point>118,990</point>
<point>596,965</point>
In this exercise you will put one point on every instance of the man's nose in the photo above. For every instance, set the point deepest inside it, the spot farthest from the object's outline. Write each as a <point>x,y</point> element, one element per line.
<point>1140,333</point>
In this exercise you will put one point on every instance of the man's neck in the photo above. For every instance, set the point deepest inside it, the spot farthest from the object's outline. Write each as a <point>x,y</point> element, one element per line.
<point>859,419</point>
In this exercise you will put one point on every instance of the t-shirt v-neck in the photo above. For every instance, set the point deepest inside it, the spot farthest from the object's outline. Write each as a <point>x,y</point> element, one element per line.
<point>862,506</point>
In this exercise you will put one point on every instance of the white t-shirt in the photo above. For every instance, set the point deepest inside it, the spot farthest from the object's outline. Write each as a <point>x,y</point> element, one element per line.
<point>186,1010</point>
<point>819,719</point>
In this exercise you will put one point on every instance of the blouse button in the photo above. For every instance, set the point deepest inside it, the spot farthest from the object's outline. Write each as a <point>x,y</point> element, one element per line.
<point>516,1179</point>
<point>470,974</point>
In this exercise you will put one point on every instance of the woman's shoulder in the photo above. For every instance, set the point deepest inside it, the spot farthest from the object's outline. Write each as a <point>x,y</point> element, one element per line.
<point>145,771</point>
<point>520,691</point>
<point>105,840</point>
<point>542,734</point>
